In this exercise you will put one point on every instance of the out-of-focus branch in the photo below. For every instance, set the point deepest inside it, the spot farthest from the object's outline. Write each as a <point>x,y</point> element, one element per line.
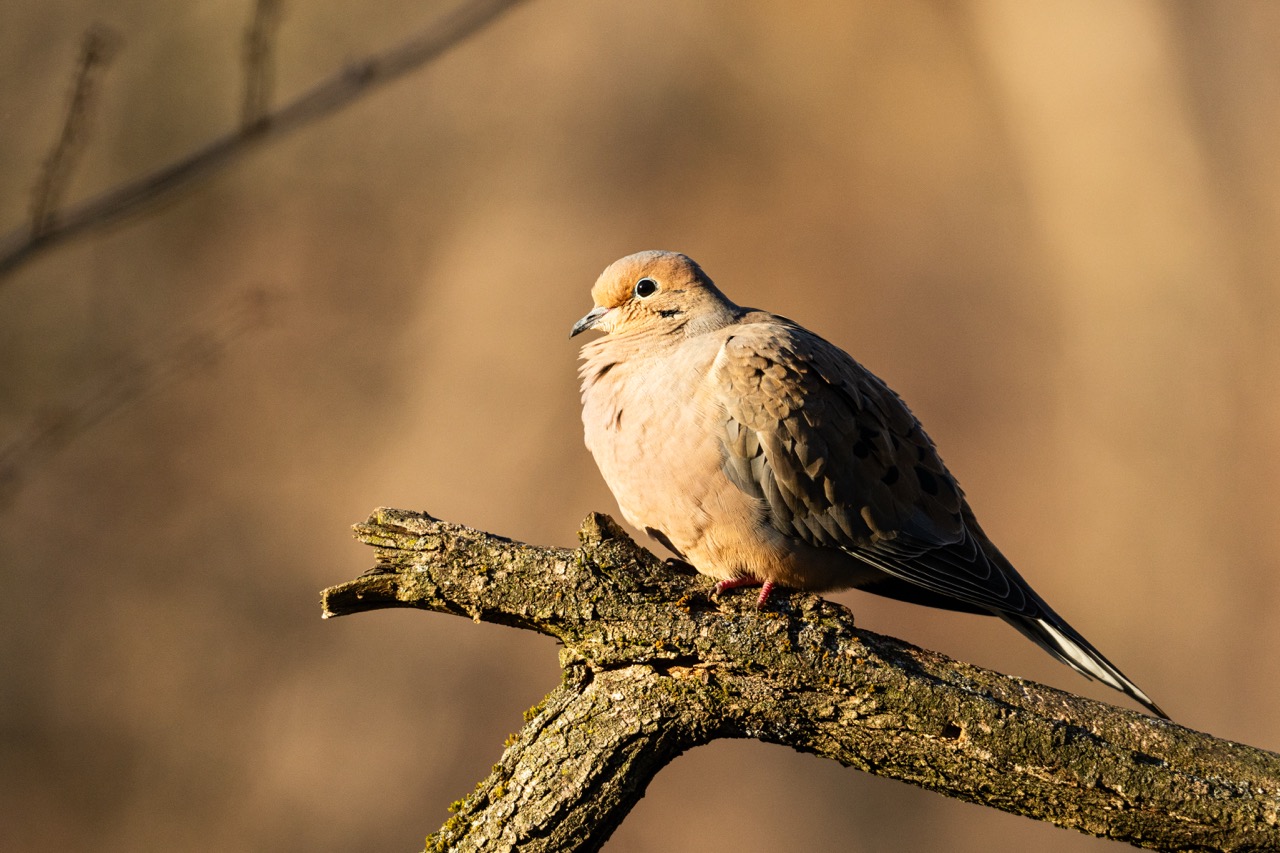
<point>185,353</point>
<point>96,52</point>
<point>259,61</point>
<point>356,80</point>
<point>653,667</point>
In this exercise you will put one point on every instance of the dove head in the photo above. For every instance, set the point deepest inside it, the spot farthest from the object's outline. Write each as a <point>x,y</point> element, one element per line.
<point>663,292</point>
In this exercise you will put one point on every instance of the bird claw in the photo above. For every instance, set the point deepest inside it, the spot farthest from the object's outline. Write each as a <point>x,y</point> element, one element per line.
<point>766,587</point>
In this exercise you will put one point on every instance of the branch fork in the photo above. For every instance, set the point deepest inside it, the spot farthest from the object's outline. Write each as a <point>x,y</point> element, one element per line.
<point>652,666</point>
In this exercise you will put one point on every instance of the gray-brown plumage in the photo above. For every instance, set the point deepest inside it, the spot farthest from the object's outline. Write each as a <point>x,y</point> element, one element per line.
<point>761,454</point>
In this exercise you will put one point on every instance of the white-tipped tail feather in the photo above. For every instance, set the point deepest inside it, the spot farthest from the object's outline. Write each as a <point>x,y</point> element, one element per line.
<point>1065,643</point>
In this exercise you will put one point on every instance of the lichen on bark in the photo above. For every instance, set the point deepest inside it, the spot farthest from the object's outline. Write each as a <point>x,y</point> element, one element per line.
<point>653,666</point>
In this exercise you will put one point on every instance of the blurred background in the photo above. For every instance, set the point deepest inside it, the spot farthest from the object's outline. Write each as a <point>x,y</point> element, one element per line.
<point>1051,226</point>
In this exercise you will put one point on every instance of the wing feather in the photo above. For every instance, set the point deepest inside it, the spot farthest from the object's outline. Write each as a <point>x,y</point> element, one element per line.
<point>840,461</point>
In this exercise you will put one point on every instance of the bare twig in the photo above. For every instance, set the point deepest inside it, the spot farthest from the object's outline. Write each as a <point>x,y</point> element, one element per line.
<point>97,49</point>
<point>259,60</point>
<point>356,80</point>
<point>187,352</point>
<point>653,667</point>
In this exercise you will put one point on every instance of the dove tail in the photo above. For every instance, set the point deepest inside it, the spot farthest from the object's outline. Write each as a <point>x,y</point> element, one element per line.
<point>1065,643</point>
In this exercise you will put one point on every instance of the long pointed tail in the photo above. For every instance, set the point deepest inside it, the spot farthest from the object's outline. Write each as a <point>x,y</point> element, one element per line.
<point>1062,641</point>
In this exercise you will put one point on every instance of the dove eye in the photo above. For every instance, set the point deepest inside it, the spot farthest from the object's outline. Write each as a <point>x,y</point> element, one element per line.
<point>646,287</point>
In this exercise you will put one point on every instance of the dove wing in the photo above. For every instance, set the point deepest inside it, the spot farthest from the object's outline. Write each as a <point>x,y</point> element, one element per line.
<point>840,461</point>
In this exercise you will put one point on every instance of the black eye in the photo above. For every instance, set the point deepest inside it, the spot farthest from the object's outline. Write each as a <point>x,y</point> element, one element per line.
<point>646,287</point>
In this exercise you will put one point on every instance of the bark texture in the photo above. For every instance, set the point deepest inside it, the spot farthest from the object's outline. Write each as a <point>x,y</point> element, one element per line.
<point>653,666</point>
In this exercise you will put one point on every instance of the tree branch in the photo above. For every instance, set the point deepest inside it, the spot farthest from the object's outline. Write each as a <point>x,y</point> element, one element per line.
<point>357,79</point>
<point>654,667</point>
<point>259,62</point>
<point>97,49</point>
<point>172,358</point>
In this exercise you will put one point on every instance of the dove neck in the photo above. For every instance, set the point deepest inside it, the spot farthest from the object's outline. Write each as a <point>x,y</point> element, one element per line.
<point>714,317</point>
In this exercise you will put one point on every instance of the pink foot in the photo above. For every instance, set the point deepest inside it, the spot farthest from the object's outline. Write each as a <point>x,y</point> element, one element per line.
<point>766,587</point>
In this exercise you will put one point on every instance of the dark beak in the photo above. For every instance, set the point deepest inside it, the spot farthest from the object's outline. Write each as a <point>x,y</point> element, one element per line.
<point>588,321</point>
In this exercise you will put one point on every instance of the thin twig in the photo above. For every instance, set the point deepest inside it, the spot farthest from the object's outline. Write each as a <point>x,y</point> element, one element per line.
<point>259,60</point>
<point>356,80</point>
<point>185,353</point>
<point>97,49</point>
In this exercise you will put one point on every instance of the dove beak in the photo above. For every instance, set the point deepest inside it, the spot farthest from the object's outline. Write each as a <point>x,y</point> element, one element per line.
<point>589,321</point>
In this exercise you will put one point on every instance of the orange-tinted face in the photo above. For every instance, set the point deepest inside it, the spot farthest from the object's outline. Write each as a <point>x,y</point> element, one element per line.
<point>650,290</point>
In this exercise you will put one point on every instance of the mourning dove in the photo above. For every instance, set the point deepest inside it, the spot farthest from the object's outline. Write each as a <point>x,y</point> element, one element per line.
<point>763,455</point>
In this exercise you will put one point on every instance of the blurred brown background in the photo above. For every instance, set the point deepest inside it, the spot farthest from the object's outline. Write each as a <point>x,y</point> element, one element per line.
<point>1054,227</point>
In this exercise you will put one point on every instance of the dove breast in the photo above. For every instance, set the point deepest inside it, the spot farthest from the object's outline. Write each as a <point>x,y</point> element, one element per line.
<point>657,421</point>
